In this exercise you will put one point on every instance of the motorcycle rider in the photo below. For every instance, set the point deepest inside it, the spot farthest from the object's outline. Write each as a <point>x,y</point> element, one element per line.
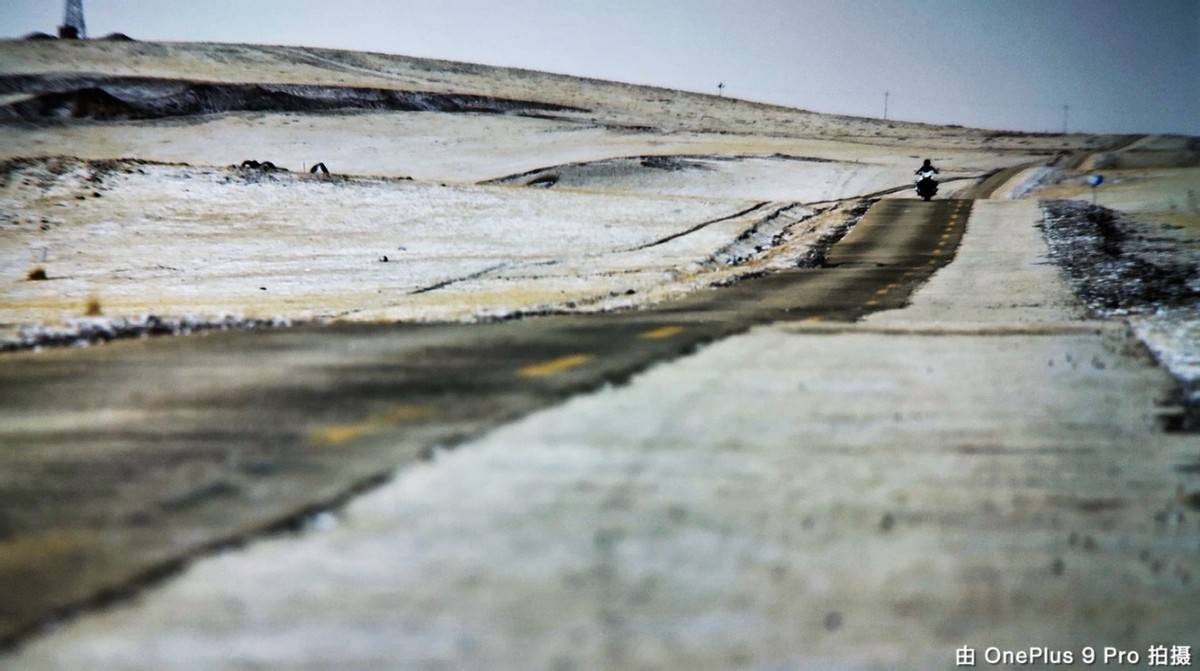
<point>926,184</point>
<point>926,169</point>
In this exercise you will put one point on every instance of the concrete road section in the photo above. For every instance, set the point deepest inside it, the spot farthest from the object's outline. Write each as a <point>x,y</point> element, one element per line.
<point>119,463</point>
<point>981,468</point>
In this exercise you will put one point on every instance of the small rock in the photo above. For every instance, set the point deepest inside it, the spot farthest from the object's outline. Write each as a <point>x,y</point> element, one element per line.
<point>833,621</point>
<point>887,522</point>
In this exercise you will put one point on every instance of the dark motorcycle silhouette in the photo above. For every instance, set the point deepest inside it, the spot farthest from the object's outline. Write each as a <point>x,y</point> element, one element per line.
<point>926,185</point>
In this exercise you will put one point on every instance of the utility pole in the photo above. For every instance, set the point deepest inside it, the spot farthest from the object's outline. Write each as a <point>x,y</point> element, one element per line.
<point>886,95</point>
<point>73,26</point>
<point>1066,117</point>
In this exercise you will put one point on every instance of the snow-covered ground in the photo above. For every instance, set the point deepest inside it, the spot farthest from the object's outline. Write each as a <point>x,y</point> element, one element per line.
<point>142,238</point>
<point>1173,334</point>
<point>449,147</point>
<point>1144,262</point>
<point>639,193</point>
<point>170,239</point>
<point>766,177</point>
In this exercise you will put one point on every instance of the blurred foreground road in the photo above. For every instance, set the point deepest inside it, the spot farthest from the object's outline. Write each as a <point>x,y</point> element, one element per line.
<point>118,462</point>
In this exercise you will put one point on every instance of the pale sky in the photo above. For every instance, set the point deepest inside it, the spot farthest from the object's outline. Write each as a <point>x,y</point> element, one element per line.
<point>1122,66</point>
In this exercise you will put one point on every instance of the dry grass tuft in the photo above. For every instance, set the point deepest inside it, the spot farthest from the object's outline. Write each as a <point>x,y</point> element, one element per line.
<point>35,274</point>
<point>92,308</point>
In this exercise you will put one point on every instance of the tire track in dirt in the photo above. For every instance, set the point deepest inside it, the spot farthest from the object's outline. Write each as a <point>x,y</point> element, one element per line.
<point>697,227</point>
<point>550,262</point>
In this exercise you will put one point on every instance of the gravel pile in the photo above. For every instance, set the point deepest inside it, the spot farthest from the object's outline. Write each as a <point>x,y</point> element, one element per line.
<point>1147,272</point>
<point>1120,266</point>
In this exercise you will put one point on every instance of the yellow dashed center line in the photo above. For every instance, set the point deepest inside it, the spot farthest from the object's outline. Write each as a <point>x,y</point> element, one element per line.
<point>814,318</point>
<point>662,332</point>
<point>404,412</point>
<point>340,434</point>
<point>554,366</point>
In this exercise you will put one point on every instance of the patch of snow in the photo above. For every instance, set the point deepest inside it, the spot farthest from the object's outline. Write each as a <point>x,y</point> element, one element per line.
<point>1035,179</point>
<point>1173,335</point>
<point>93,330</point>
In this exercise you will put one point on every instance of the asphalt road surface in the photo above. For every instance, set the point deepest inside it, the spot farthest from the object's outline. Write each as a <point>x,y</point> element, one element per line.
<point>120,463</point>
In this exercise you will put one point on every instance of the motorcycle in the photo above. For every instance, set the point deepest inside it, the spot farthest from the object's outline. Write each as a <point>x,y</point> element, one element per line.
<point>926,185</point>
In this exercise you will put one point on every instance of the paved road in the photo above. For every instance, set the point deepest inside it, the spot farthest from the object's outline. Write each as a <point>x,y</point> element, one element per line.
<point>119,463</point>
